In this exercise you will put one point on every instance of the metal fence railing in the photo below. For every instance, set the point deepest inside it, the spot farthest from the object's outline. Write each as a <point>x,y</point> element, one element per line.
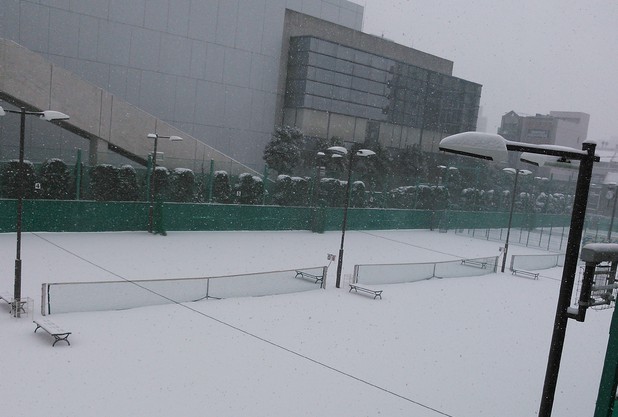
<point>118,295</point>
<point>412,272</point>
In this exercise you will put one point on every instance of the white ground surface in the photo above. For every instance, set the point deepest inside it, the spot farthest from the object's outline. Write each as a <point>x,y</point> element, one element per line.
<point>461,347</point>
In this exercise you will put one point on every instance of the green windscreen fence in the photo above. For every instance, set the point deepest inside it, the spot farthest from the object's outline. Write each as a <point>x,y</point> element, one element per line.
<point>99,216</point>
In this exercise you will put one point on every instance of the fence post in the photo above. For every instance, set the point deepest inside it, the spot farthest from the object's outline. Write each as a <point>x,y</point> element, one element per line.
<point>148,174</point>
<point>210,180</point>
<point>265,180</point>
<point>78,175</point>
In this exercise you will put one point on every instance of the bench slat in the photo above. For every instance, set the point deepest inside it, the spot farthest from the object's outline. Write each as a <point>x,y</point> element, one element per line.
<point>357,288</point>
<point>52,329</point>
<point>302,274</point>
<point>521,272</point>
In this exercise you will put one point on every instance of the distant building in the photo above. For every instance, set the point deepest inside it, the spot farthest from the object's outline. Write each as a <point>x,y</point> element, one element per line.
<point>482,122</point>
<point>556,128</point>
<point>362,88</point>
<point>572,128</point>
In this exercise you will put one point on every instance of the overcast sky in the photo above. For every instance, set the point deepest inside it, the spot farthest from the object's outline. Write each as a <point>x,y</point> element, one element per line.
<point>531,56</point>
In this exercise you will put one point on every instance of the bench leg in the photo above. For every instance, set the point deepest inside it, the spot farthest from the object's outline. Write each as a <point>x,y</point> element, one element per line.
<point>64,338</point>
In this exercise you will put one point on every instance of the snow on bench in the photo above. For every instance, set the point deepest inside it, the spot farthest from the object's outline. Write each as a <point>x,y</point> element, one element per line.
<point>53,329</point>
<point>8,298</point>
<point>521,272</point>
<point>302,274</point>
<point>471,262</point>
<point>374,292</point>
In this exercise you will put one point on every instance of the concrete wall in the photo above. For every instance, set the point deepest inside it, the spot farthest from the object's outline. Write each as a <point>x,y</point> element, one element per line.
<point>27,78</point>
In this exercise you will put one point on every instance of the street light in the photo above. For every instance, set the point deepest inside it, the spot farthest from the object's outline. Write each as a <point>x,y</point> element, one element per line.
<point>48,115</point>
<point>156,137</point>
<point>517,173</point>
<point>494,147</point>
<point>340,151</point>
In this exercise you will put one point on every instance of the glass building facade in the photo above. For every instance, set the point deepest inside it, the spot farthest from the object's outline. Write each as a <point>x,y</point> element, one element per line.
<point>328,77</point>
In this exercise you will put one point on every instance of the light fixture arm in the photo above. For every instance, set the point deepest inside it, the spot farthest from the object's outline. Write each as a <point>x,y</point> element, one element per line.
<point>152,185</point>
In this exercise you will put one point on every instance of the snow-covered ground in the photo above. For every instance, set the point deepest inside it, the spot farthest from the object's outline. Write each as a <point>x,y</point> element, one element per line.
<point>461,347</point>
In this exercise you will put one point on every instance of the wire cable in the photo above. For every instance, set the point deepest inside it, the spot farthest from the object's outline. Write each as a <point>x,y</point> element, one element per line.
<point>249,334</point>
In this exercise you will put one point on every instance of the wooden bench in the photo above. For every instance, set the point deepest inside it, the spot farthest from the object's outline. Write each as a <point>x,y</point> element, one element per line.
<point>53,329</point>
<point>521,272</point>
<point>357,288</point>
<point>8,298</point>
<point>306,275</point>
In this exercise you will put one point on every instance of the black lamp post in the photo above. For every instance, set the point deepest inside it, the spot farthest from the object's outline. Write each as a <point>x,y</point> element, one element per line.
<point>495,148</point>
<point>156,137</point>
<point>340,150</point>
<point>48,115</point>
<point>517,172</point>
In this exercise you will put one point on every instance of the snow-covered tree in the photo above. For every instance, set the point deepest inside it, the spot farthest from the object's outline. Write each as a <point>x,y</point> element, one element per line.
<point>54,177</point>
<point>182,185</point>
<point>283,152</point>
<point>221,188</point>
<point>127,184</point>
<point>104,182</point>
<point>249,189</point>
<point>10,179</point>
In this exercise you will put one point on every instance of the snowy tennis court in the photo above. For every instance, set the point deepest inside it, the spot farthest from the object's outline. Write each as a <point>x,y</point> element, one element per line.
<point>458,347</point>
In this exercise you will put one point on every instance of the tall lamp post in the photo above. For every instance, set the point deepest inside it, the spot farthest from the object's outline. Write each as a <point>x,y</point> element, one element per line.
<point>48,115</point>
<point>445,173</point>
<point>517,173</point>
<point>494,147</point>
<point>155,137</point>
<point>340,150</point>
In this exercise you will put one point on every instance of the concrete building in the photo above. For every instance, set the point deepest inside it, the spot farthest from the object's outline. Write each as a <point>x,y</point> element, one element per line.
<point>557,128</point>
<point>363,88</point>
<point>572,128</point>
<point>216,72</point>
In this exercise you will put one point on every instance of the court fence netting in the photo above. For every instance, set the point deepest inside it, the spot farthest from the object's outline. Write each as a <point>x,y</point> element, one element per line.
<point>536,262</point>
<point>410,272</point>
<point>374,274</point>
<point>70,297</point>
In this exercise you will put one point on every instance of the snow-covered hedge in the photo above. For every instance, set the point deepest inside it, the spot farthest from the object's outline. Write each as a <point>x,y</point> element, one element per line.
<point>249,189</point>
<point>9,179</point>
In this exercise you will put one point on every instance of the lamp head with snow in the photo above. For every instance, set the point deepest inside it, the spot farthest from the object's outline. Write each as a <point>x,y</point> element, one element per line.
<point>476,144</point>
<point>494,147</point>
<point>365,152</point>
<point>338,150</point>
<point>51,115</point>
<point>48,115</point>
<point>548,161</point>
<point>517,171</point>
<point>171,138</point>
